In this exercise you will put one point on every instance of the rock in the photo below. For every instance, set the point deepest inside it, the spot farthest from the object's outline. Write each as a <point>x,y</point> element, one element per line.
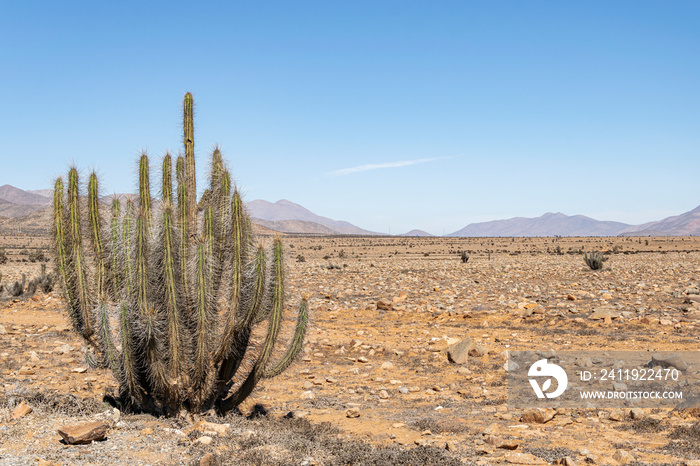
<point>602,313</point>
<point>477,350</point>
<point>508,445</point>
<point>401,297</point>
<point>387,365</point>
<point>362,359</point>
<point>672,360</point>
<point>509,366</point>
<point>566,461</point>
<point>21,410</point>
<point>213,429</point>
<point>385,305</point>
<point>84,433</point>
<point>403,390</point>
<point>308,395</point>
<point>637,413</point>
<point>3,331</point>
<point>523,458</point>
<point>571,297</point>
<point>615,415</point>
<point>458,352</point>
<point>204,440</point>
<point>352,413</point>
<point>623,457</point>
<point>208,460</point>
<point>383,394</point>
<point>537,415</point>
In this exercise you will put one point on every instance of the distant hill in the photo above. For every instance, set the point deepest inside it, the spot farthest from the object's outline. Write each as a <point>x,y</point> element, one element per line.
<point>287,210</point>
<point>549,224</point>
<point>295,226</point>
<point>417,233</point>
<point>21,197</point>
<point>679,225</point>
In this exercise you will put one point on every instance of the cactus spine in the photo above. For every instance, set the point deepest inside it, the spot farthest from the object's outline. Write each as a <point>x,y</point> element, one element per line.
<point>186,291</point>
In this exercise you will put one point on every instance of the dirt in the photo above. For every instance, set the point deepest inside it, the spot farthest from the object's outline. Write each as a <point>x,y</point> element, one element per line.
<point>415,407</point>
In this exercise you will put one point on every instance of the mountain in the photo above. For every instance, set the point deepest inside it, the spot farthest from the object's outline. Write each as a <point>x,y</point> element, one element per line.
<point>21,197</point>
<point>417,233</point>
<point>549,224</point>
<point>8,209</point>
<point>295,226</point>
<point>679,225</point>
<point>286,210</point>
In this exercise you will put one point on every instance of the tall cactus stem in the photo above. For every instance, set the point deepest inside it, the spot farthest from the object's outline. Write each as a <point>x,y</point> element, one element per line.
<point>77,256</point>
<point>96,236</point>
<point>188,124</point>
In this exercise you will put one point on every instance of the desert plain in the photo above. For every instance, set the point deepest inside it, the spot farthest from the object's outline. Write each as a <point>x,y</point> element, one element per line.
<point>374,384</point>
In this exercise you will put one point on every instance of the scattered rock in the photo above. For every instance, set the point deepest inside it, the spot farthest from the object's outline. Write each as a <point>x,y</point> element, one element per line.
<point>385,305</point>
<point>523,458</point>
<point>208,460</point>
<point>21,410</point>
<point>603,313</point>
<point>672,360</point>
<point>623,457</point>
<point>458,352</point>
<point>477,350</point>
<point>204,440</point>
<point>352,413</point>
<point>615,415</point>
<point>84,433</point>
<point>537,415</point>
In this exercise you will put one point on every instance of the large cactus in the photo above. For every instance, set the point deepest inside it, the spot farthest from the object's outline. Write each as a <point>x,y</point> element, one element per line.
<point>168,294</point>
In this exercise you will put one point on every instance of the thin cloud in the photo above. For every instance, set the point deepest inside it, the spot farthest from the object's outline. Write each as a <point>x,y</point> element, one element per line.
<point>377,166</point>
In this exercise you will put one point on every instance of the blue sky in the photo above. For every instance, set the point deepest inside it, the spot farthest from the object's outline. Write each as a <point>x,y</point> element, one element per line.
<point>392,115</point>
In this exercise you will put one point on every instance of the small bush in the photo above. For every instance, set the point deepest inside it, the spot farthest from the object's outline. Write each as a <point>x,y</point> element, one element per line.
<point>37,256</point>
<point>3,256</point>
<point>594,260</point>
<point>301,258</point>
<point>465,257</point>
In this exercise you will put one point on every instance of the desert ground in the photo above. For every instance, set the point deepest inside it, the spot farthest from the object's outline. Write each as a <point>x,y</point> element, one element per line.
<point>374,384</point>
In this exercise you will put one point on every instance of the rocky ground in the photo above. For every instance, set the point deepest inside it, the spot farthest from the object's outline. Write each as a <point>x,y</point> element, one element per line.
<point>374,385</point>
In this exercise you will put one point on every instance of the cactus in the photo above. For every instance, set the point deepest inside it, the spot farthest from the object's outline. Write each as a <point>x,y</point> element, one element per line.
<point>169,294</point>
<point>594,259</point>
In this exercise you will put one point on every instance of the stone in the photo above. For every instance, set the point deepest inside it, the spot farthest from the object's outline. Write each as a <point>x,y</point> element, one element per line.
<point>477,350</point>
<point>21,410</point>
<point>204,440</point>
<point>623,457</point>
<point>615,415</point>
<point>602,313</point>
<point>537,415</point>
<point>208,460</point>
<point>637,413</point>
<point>672,360</point>
<point>213,429</point>
<point>458,352</point>
<point>308,395</point>
<point>383,394</point>
<point>522,458</point>
<point>84,433</point>
<point>566,461</point>
<point>385,305</point>
<point>510,366</point>
<point>352,413</point>
<point>387,365</point>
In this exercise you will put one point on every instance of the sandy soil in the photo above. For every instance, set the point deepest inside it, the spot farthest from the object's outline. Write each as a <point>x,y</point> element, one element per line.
<point>390,366</point>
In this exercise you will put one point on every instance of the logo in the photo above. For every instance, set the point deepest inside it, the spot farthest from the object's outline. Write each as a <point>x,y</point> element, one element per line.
<point>543,368</point>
